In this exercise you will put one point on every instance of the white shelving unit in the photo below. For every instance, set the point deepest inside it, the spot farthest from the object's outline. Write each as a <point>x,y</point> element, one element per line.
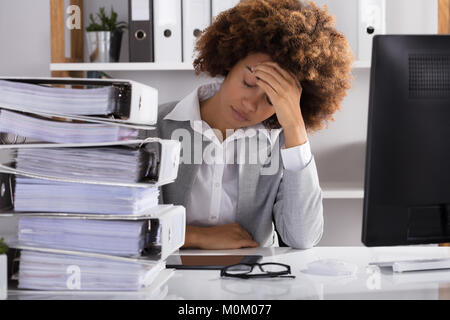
<point>120,66</point>
<point>149,66</point>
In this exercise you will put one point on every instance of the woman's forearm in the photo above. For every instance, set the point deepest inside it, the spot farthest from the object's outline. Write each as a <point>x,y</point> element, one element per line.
<point>191,239</point>
<point>228,236</point>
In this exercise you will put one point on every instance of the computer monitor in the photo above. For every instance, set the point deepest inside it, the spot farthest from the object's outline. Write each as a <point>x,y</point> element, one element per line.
<point>407,174</point>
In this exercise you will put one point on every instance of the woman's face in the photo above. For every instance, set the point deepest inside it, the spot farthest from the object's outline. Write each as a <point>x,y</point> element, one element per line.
<point>243,102</point>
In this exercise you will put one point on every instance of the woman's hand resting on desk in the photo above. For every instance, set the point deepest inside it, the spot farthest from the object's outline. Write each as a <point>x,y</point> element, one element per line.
<point>228,236</point>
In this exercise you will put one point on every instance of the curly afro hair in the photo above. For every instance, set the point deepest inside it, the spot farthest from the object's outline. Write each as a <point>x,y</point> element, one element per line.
<point>299,36</point>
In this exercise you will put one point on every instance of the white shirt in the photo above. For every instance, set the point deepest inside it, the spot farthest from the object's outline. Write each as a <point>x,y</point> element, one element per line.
<point>214,193</point>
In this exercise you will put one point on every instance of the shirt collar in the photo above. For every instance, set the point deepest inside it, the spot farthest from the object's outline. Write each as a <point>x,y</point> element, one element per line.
<point>188,109</point>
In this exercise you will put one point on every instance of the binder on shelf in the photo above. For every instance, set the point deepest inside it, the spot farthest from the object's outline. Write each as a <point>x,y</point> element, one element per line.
<point>196,17</point>
<point>155,163</point>
<point>117,101</point>
<point>167,31</point>
<point>140,26</point>
<point>372,21</point>
<point>221,5</point>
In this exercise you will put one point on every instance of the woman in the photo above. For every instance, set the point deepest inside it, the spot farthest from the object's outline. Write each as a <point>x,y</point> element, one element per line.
<point>285,67</point>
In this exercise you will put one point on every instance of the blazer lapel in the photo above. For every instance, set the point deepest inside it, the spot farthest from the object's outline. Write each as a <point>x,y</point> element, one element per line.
<point>247,184</point>
<point>188,171</point>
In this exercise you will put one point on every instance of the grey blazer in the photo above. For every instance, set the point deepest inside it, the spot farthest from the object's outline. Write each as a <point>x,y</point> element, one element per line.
<point>293,200</point>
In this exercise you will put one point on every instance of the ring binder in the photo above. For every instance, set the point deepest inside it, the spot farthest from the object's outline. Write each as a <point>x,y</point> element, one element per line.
<point>166,224</point>
<point>140,18</point>
<point>163,158</point>
<point>196,17</point>
<point>167,31</point>
<point>132,102</point>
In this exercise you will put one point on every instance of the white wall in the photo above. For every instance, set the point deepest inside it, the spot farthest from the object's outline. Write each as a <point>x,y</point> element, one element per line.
<point>338,150</point>
<point>24,38</point>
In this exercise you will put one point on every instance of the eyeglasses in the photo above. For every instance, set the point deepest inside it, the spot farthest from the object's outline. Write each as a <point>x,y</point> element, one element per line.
<point>269,270</point>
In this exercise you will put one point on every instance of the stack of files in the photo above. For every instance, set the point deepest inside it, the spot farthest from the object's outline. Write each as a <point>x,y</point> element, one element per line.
<point>102,253</point>
<point>87,191</point>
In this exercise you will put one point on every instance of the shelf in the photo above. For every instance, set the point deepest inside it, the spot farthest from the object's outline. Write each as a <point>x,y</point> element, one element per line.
<point>342,191</point>
<point>120,66</point>
<point>361,64</point>
<point>143,66</point>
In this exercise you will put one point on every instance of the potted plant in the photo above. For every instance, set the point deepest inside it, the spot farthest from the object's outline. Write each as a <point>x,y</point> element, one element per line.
<point>3,270</point>
<point>104,37</point>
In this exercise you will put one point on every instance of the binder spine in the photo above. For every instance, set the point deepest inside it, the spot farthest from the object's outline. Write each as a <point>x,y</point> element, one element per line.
<point>195,18</point>
<point>167,26</point>
<point>122,100</point>
<point>173,228</point>
<point>151,161</point>
<point>7,187</point>
<point>141,38</point>
<point>144,102</point>
<point>170,160</point>
<point>152,247</point>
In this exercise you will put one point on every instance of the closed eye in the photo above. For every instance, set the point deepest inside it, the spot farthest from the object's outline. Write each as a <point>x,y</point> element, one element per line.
<point>250,86</point>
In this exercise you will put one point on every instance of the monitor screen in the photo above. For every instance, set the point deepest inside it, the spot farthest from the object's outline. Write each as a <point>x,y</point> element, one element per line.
<point>407,177</point>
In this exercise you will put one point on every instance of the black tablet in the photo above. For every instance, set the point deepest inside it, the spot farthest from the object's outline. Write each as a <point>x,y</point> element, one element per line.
<point>208,262</point>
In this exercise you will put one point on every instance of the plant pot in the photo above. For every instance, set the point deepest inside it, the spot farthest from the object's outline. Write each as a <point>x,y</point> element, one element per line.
<point>104,46</point>
<point>3,277</point>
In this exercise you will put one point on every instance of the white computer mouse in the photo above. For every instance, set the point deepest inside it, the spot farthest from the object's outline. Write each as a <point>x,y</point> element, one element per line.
<point>331,267</point>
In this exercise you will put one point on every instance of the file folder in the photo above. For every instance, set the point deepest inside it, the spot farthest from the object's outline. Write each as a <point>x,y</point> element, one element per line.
<point>74,118</point>
<point>196,17</point>
<point>160,162</point>
<point>133,102</point>
<point>37,195</point>
<point>165,232</point>
<point>221,5</point>
<point>48,271</point>
<point>154,288</point>
<point>140,26</point>
<point>55,129</point>
<point>167,26</point>
<point>43,268</point>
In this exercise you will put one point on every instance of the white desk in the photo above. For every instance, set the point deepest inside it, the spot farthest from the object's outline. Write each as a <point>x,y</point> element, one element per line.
<point>368,283</point>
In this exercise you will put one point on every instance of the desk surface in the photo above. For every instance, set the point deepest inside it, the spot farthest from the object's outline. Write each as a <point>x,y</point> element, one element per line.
<point>368,283</point>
